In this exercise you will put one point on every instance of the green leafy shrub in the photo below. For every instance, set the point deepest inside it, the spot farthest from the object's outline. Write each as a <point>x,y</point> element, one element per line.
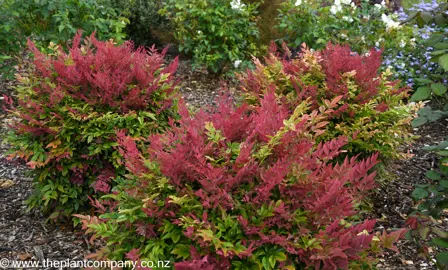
<point>55,21</point>
<point>69,107</point>
<point>217,33</point>
<point>432,201</point>
<point>146,25</point>
<point>241,188</point>
<point>371,111</point>
<point>362,27</point>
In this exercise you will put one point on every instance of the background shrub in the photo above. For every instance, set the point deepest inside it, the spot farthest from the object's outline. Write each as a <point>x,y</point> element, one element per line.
<point>342,22</point>
<point>217,33</point>
<point>54,21</point>
<point>242,189</point>
<point>371,111</point>
<point>146,26</point>
<point>69,107</point>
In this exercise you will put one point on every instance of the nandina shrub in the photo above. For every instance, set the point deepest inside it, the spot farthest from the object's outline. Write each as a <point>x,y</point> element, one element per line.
<point>371,111</point>
<point>69,107</point>
<point>241,189</point>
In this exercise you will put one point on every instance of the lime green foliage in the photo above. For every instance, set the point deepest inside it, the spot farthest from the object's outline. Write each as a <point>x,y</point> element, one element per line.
<point>54,21</point>
<point>217,33</point>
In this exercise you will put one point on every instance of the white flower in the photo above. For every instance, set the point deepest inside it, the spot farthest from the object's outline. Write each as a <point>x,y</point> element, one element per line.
<point>383,3</point>
<point>347,18</point>
<point>199,32</point>
<point>389,22</point>
<point>377,7</point>
<point>237,63</point>
<point>353,5</point>
<point>379,42</point>
<point>236,4</point>
<point>337,2</point>
<point>335,9</point>
<point>402,43</point>
<point>346,2</point>
<point>298,3</point>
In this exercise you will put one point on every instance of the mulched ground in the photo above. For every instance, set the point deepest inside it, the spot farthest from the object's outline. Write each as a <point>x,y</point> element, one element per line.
<point>25,236</point>
<point>393,202</point>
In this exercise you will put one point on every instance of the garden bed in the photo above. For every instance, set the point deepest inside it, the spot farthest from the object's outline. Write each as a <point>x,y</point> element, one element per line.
<point>27,236</point>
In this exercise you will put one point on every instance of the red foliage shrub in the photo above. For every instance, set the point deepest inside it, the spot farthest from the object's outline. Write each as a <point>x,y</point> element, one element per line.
<point>370,105</point>
<point>239,188</point>
<point>69,107</point>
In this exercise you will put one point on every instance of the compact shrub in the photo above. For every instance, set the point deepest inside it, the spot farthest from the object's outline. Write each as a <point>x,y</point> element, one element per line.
<point>54,21</point>
<point>217,33</point>
<point>371,111</point>
<point>69,107</point>
<point>241,188</point>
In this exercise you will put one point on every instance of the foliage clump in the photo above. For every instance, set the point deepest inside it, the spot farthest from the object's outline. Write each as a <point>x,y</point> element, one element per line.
<point>69,107</point>
<point>370,109</point>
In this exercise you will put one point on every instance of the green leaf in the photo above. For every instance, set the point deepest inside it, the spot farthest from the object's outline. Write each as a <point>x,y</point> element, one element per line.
<point>175,237</point>
<point>423,80</point>
<point>441,46</point>
<point>54,215</point>
<point>182,251</point>
<point>422,93</point>
<point>434,116</point>
<point>442,258</point>
<point>419,193</point>
<point>280,256</point>
<point>426,16</point>
<point>444,183</point>
<point>440,242</point>
<point>443,62</point>
<point>419,121</point>
<point>438,89</point>
<point>425,111</point>
<point>433,175</point>
<point>423,232</point>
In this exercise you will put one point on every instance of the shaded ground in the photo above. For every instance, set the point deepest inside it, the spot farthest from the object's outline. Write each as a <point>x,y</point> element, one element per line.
<point>393,202</point>
<point>25,236</point>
